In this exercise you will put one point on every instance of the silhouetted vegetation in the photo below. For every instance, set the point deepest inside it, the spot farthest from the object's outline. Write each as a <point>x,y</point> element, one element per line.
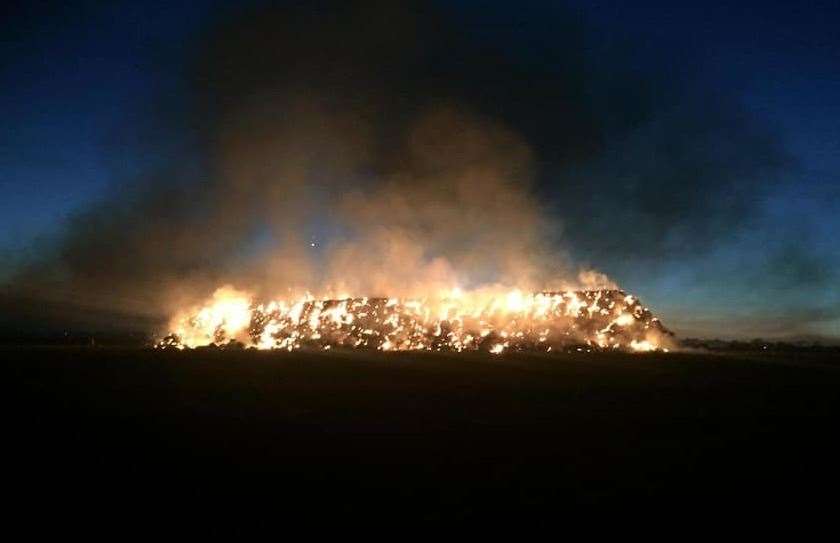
<point>758,345</point>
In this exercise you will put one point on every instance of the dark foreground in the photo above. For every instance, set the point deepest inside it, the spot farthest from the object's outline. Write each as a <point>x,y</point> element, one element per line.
<point>427,435</point>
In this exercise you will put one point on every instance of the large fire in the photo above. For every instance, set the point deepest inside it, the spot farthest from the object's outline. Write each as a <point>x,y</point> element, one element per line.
<point>452,321</point>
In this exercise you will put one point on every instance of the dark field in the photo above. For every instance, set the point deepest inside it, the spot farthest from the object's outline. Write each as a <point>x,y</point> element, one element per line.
<point>433,435</point>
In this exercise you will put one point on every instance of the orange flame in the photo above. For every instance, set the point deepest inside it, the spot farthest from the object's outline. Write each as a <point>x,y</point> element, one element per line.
<point>490,320</point>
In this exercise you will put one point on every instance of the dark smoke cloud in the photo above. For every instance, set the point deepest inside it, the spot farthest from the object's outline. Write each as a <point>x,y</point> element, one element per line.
<point>423,148</point>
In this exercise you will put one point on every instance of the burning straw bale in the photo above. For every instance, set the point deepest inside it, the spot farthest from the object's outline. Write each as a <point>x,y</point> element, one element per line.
<point>546,321</point>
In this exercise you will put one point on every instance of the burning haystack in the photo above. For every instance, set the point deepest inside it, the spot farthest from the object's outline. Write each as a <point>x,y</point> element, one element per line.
<point>546,321</point>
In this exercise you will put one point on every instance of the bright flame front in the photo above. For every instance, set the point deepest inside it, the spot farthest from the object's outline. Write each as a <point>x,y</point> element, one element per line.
<point>453,321</point>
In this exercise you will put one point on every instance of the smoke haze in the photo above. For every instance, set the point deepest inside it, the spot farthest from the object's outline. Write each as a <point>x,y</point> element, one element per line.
<point>382,148</point>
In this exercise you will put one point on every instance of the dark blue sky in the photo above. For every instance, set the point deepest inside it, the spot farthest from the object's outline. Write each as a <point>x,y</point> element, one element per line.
<point>77,77</point>
<point>780,59</point>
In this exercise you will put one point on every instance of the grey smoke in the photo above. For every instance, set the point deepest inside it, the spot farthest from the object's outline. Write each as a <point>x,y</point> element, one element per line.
<point>421,148</point>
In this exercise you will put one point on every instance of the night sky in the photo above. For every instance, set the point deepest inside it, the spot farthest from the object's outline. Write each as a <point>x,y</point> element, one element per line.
<point>689,150</point>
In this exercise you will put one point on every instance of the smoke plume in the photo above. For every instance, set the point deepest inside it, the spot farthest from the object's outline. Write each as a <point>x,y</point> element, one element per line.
<point>385,148</point>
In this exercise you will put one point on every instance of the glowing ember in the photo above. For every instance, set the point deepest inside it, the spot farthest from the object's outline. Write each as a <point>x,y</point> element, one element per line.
<point>454,321</point>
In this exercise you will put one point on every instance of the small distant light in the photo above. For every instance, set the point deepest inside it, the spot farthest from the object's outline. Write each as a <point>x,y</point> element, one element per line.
<point>313,244</point>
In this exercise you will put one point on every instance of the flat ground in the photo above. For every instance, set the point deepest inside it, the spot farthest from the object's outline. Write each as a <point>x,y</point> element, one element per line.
<point>462,435</point>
